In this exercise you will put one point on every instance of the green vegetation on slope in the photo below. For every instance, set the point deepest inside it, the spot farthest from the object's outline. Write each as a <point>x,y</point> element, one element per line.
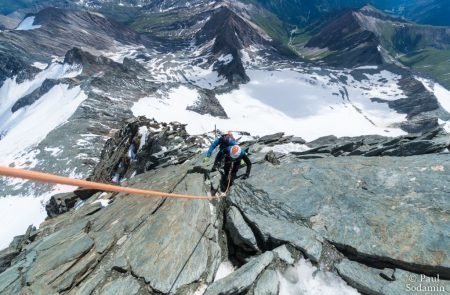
<point>122,14</point>
<point>431,61</point>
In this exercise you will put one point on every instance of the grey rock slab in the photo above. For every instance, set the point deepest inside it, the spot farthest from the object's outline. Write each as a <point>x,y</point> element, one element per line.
<point>284,254</point>
<point>416,148</point>
<point>268,283</point>
<point>121,264</point>
<point>271,219</point>
<point>129,211</point>
<point>14,288</point>
<point>38,289</point>
<point>61,236</point>
<point>299,236</point>
<point>8,277</point>
<point>239,231</point>
<point>58,259</point>
<point>298,140</point>
<point>391,209</point>
<point>76,273</point>
<point>413,283</point>
<point>126,285</point>
<point>6,256</point>
<point>361,277</point>
<point>271,138</point>
<point>370,280</point>
<point>88,286</point>
<point>243,278</point>
<point>272,158</point>
<point>103,240</point>
<point>324,140</point>
<point>174,247</point>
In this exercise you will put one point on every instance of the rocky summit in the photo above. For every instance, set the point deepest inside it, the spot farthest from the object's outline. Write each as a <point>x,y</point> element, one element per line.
<point>372,210</point>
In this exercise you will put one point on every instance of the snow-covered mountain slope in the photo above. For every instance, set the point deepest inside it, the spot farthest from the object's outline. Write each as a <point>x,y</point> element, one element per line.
<point>52,32</point>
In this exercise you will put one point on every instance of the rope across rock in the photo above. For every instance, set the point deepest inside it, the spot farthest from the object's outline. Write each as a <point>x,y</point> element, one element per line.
<point>51,178</point>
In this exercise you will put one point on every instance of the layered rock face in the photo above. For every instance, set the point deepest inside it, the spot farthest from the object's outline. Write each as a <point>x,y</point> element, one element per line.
<point>375,221</point>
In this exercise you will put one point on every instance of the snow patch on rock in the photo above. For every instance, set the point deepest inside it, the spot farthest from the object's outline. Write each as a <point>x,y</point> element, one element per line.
<point>441,93</point>
<point>306,279</point>
<point>286,148</point>
<point>27,24</point>
<point>18,212</point>
<point>40,65</point>
<point>225,269</point>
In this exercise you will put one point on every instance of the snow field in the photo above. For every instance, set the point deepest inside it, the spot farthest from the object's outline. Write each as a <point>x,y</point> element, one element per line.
<point>30,125</point>
<point>27,24</point>
<point>300,104</point>
<point>24,129</point>
<point>18,212</point>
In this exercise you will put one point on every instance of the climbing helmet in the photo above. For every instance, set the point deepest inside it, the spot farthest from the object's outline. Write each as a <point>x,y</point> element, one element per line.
<point>235,152</point>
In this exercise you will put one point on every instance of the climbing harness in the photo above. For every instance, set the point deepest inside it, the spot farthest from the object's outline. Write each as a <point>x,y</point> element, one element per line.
<point>50,178</point>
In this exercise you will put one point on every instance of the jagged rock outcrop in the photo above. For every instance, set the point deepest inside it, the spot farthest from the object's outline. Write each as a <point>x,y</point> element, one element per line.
<point>17,245</point>
<point>208,104</point>
<point>34,96</point>
<point>434,141</point>
<point>372,220</point>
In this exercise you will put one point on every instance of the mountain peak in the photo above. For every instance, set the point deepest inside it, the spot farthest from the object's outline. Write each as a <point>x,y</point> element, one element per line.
<point>352,44</point>
<point>229,30</point>
<point>228,33</point>
<point>369,7</point>
<point>372,11</point>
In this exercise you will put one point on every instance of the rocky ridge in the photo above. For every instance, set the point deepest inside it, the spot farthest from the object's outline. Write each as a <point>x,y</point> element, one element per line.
<point>372,209</point>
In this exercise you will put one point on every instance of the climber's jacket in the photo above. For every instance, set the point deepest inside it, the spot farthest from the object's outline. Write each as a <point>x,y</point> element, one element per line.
<point>223,142</point>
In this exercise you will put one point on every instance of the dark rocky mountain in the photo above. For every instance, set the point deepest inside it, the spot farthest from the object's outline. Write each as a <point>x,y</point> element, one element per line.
<point>229,34</point>
<point>350,43</point>
<point>369,36</point>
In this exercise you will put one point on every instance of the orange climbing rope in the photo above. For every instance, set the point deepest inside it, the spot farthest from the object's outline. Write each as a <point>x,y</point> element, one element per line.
<point>50,178</point>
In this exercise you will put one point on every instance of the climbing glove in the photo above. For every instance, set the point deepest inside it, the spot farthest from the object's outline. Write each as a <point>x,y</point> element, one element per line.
<point>206,160</point>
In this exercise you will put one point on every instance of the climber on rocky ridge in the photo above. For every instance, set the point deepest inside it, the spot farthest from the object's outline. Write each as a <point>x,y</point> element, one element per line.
<point>224,141</point>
